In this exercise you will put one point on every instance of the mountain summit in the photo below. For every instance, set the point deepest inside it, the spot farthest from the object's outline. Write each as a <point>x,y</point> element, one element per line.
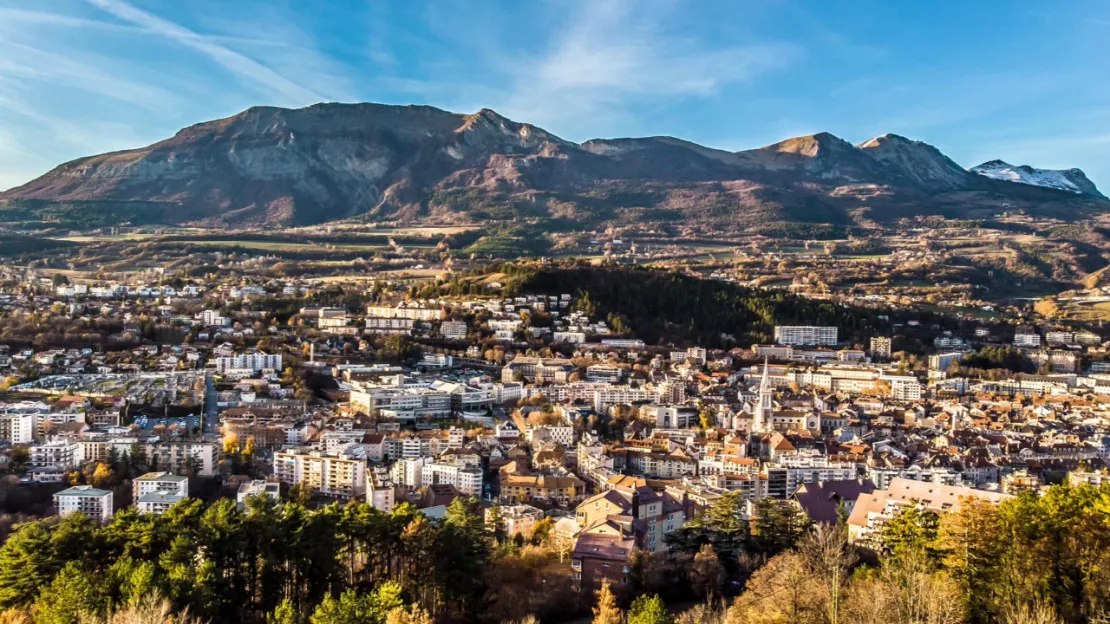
<point>376,162</point>
<point>1071,180</point>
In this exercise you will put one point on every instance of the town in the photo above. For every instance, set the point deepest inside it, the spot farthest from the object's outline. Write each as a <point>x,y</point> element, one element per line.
<point>564,427</point>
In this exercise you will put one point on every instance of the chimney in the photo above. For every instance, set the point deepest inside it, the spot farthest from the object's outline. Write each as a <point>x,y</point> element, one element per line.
<point>635,504</point>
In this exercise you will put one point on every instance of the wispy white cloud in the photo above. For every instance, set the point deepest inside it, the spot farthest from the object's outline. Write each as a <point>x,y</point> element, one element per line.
<point>34,64</point>
<point>614,54</point>
<point>244,66</point>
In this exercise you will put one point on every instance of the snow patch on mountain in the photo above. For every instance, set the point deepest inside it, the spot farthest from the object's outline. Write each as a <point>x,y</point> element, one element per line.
<point>1071,180</point>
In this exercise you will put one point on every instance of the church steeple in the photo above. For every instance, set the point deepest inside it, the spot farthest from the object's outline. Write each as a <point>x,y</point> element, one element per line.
<point>766,407</point>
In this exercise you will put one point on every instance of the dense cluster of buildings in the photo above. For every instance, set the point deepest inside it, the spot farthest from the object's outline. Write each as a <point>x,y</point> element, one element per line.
<point>544,412</point>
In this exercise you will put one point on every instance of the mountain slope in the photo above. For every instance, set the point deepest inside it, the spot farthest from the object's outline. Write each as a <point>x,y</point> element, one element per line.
<point>917,161</point>
<point>421,164</point>
<point>1071,180</point>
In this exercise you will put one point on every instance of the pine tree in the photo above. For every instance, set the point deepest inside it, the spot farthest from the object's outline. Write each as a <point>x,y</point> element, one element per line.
<point>26,565</point>
<point>70,596</point>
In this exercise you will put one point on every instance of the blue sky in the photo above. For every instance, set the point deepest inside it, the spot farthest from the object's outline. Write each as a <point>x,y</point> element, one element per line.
<point>1028,82</point>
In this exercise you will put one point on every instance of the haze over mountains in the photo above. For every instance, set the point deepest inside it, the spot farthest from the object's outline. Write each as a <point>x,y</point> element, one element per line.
<point>421,164</point>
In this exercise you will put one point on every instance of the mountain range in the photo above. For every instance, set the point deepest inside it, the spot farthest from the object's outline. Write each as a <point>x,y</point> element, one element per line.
<point>419,164</point>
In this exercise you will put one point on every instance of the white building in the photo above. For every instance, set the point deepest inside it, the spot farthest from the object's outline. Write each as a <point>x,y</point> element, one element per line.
<point>880,347</point>
<point>903,387</point>
<point>805,335</point>
<point>335,477</point>
<point>160,483</point>
<point>455,330</point>
<point>466,479</point>
<point>258,487</point>
<point>1028,337</point>
<point>87,500</point>
<point>254,362</point>
<point>17,428</point>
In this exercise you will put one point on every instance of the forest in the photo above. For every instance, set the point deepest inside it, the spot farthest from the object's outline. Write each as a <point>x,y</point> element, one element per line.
<point>660,306</point>
<point>1034,559</point>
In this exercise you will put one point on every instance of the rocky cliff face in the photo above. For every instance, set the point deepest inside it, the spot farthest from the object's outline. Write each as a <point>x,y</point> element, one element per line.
<point>418,163</point>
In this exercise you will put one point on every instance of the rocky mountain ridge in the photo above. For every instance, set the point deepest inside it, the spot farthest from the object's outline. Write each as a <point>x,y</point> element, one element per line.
<point>378,162</point>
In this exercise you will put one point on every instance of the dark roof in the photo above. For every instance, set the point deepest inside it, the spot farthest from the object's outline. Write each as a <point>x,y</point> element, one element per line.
<point>820,500</point>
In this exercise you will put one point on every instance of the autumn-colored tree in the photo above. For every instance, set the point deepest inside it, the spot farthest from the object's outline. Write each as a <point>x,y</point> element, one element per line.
<point>606,611</point>
<point>707,575</point>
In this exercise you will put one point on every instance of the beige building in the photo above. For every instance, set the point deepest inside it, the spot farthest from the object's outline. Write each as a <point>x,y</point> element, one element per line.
<point>334,477</point>
<point>874,510</point>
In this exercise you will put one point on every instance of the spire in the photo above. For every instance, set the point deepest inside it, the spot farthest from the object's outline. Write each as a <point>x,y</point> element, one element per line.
<point>765,408</point>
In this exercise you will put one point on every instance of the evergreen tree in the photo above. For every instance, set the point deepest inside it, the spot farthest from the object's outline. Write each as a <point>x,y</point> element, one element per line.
<point>70,595</point>
<point>778,526</point>
<point>27,565</point>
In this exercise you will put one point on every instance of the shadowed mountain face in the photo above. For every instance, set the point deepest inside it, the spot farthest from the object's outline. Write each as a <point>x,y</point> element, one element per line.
<point>421,164</point>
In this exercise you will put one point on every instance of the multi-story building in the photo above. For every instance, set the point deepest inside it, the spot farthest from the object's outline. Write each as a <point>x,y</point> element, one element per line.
<point>903,387</point>
<point>454,330</point>
<point>1027,337</point>
<point>805,335</point>
<point>784,480</point>
<point>184,457</point>
<point>520,519</point>
<point>84,499</point>
<point>253,362</point>
<point>874,510</point>
<point>880,348</point>
<point>407,310</point>
<point>671,416</point>
<point>537,370</point>
<point>59,454</point>
<point>160,482</point>
<point>402,403</point>
<point>17,428</point>
<point>660,512</point>
<point>943,361</point>
<point>389,326</point>
<point>560,434</point>
<point>334,477</point>
<point>466,479</point>
<point>523,488</point>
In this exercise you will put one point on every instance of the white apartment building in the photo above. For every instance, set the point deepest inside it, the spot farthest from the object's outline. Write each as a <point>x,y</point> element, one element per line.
<point>57,454</point>
<point>560,434</point>
<point>388,326</point>
<point>87,500</point>
<point>176,456</point>
<point>784,480</point>
<point>455,330</point>
<point>466,479</point>
<point>903,387</point>
<point>17,428</point>
<point>1027,337</point>
<point>157,502</point>
<point>880,347</point>
<point>254,362</point>
<point>406,310</point>
<point>942,361</point>
<point>409,472</point>
<point>335,477</point>
<point>160,483</point>
<point>805,335</point>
